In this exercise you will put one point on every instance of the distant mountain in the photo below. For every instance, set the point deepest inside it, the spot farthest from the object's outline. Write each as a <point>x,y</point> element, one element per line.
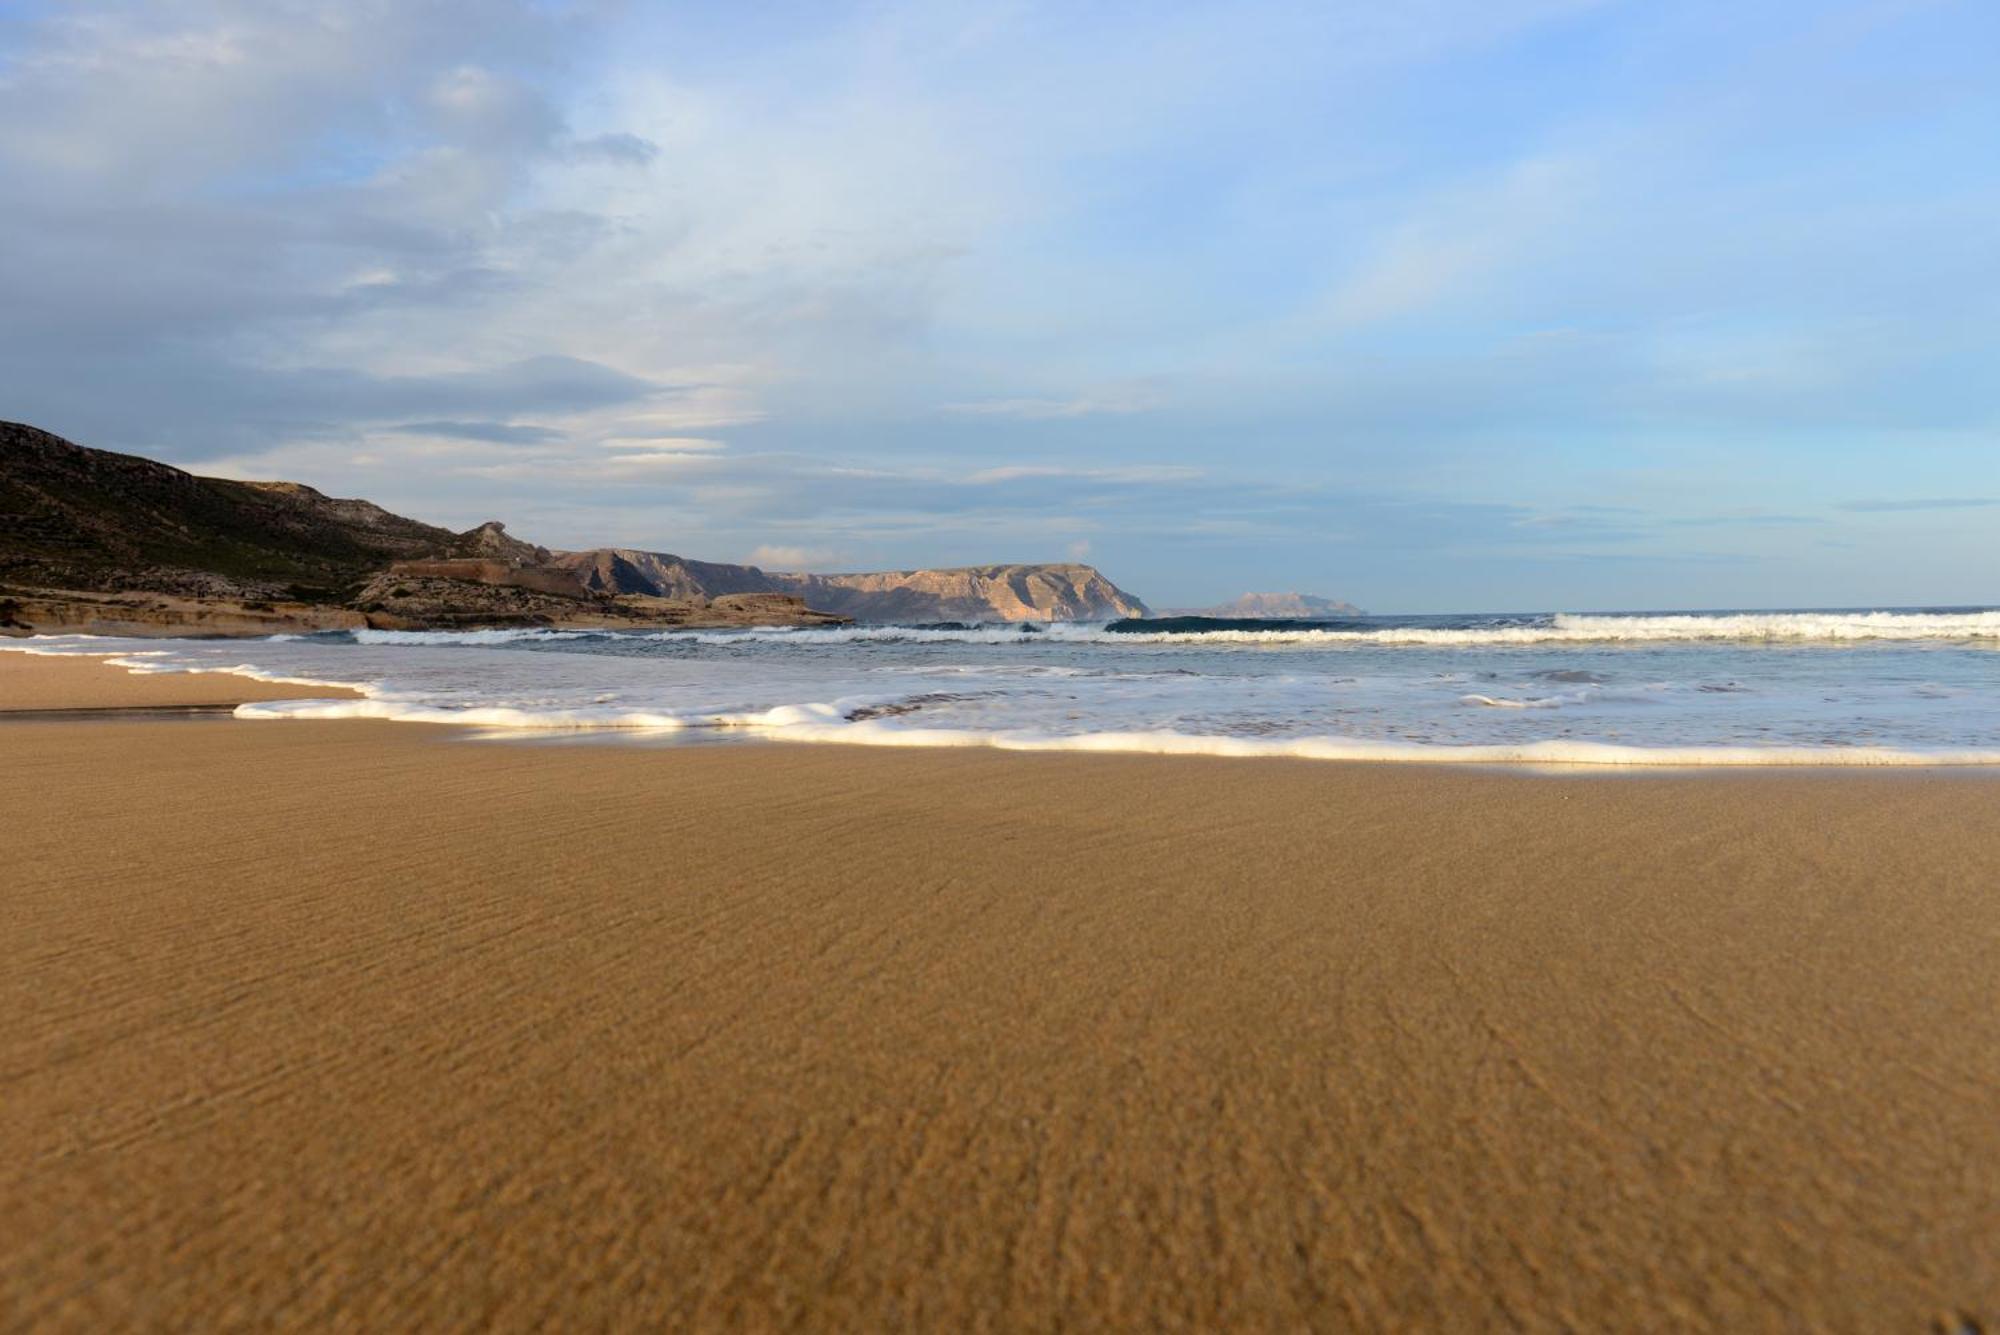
<point>972,593</point>
<point>94,540</point>
<point>1270,607</point>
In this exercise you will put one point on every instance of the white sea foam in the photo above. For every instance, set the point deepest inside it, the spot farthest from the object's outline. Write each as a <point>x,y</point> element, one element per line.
<point>402,709</point>
<point>826,723</point>
<point>161,662</point>
<point>473,638</point>
<point>1353,749</point>
<point>1573,628</point>
<point>1562,628</point>
<point>781,635</point>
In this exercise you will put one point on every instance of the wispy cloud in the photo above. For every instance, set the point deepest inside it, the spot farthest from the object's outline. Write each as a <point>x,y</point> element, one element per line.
<point>1134,474</point>
<point>499,433</point>
<point>1923,503</point>
<point>663,444</point>
<point>1456,239</point>
<point>1089,405</point>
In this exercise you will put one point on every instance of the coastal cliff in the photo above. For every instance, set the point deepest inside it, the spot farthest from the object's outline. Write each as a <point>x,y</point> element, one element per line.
<point>1056,592</point>
<point>97,542</point>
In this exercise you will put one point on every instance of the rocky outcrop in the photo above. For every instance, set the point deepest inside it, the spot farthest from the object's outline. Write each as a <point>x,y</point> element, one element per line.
<point>83,612</point>
<point>1269,607</point>
<point>660,575</point>
<point>491,542</point>
<point>540,579</point>
<point>401,600</point>
<point>970,593</point>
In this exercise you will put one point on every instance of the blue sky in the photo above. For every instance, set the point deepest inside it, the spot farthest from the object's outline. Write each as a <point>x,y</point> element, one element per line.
<point>1433,306</point>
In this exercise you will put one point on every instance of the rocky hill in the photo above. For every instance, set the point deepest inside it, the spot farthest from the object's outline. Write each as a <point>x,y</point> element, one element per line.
<point>970,593</point>
<point>97,541</point>
<point>76,518</point>
<point>1270,607</point>
<point>107,543</point>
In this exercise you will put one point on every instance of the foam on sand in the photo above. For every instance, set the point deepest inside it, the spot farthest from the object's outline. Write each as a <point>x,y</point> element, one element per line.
<point>832,723</point>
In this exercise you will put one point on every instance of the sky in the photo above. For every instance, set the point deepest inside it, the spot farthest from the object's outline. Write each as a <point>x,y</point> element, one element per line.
<point>1442,305</point>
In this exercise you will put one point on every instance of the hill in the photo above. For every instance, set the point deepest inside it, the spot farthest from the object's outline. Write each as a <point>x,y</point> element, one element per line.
<point>84,519</point>
<point>94,540</point>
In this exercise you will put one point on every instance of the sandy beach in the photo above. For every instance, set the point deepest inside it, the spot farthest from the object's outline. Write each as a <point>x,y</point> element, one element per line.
<point>35,683</point>
<point>364,1025</point>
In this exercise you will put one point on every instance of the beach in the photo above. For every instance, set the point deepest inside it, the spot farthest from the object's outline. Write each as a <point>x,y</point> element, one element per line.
<point>357,1024</point>
<point>35,683</point>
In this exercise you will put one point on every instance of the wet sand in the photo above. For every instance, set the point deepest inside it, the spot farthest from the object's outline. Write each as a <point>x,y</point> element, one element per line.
<point>370,1025</point>
<point>38,682</point>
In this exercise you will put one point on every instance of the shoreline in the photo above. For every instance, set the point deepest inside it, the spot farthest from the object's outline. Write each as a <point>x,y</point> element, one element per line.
<point>278,699</point>
<point>78,681</point>
<point>340,1017</point>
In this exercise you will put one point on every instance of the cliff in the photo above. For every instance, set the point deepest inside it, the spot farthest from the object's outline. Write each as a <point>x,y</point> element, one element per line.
<point>970,593</point>
<point>113,543</point>
<point>102,543</point>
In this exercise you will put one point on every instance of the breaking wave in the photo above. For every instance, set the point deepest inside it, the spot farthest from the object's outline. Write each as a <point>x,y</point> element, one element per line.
<point>1559,628</point>
<point>858,722</point>
<point>1579,628</point>
<point>471,638</point>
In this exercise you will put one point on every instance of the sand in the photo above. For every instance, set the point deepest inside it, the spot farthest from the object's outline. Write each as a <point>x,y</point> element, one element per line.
<point>34,682</point>
<point>368,1025</point>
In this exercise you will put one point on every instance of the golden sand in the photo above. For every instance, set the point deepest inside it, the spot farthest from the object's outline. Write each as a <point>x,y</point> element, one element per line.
<point>48,681</point>
<point>366,1025</point>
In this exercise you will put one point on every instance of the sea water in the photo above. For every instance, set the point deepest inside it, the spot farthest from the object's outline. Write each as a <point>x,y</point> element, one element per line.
<point>1861,686</point>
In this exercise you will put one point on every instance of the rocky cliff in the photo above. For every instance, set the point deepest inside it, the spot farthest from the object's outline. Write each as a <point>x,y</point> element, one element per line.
<point>970,593</point>
<point>104,543</point>
<point>92,540</point>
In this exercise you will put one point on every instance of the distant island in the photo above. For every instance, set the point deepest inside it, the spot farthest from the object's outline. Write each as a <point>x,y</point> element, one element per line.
<point>1269,607</point>
<point>97,542</point>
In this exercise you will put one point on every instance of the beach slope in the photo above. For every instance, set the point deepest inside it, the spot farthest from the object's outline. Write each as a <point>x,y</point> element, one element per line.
<point>370,1025</point>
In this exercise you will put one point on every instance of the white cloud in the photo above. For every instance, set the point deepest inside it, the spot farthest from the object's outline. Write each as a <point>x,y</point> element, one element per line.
<point>792,558</point>
<point>652,461</point>
<point>655,444</point>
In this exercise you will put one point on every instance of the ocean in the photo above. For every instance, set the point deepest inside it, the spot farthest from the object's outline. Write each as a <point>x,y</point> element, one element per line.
<point>1839,687</point>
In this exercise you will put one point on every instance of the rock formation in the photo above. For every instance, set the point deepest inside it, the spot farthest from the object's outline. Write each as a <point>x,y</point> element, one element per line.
<point>103,543</point>
<point>970,593</point>
<point>116,544</point>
